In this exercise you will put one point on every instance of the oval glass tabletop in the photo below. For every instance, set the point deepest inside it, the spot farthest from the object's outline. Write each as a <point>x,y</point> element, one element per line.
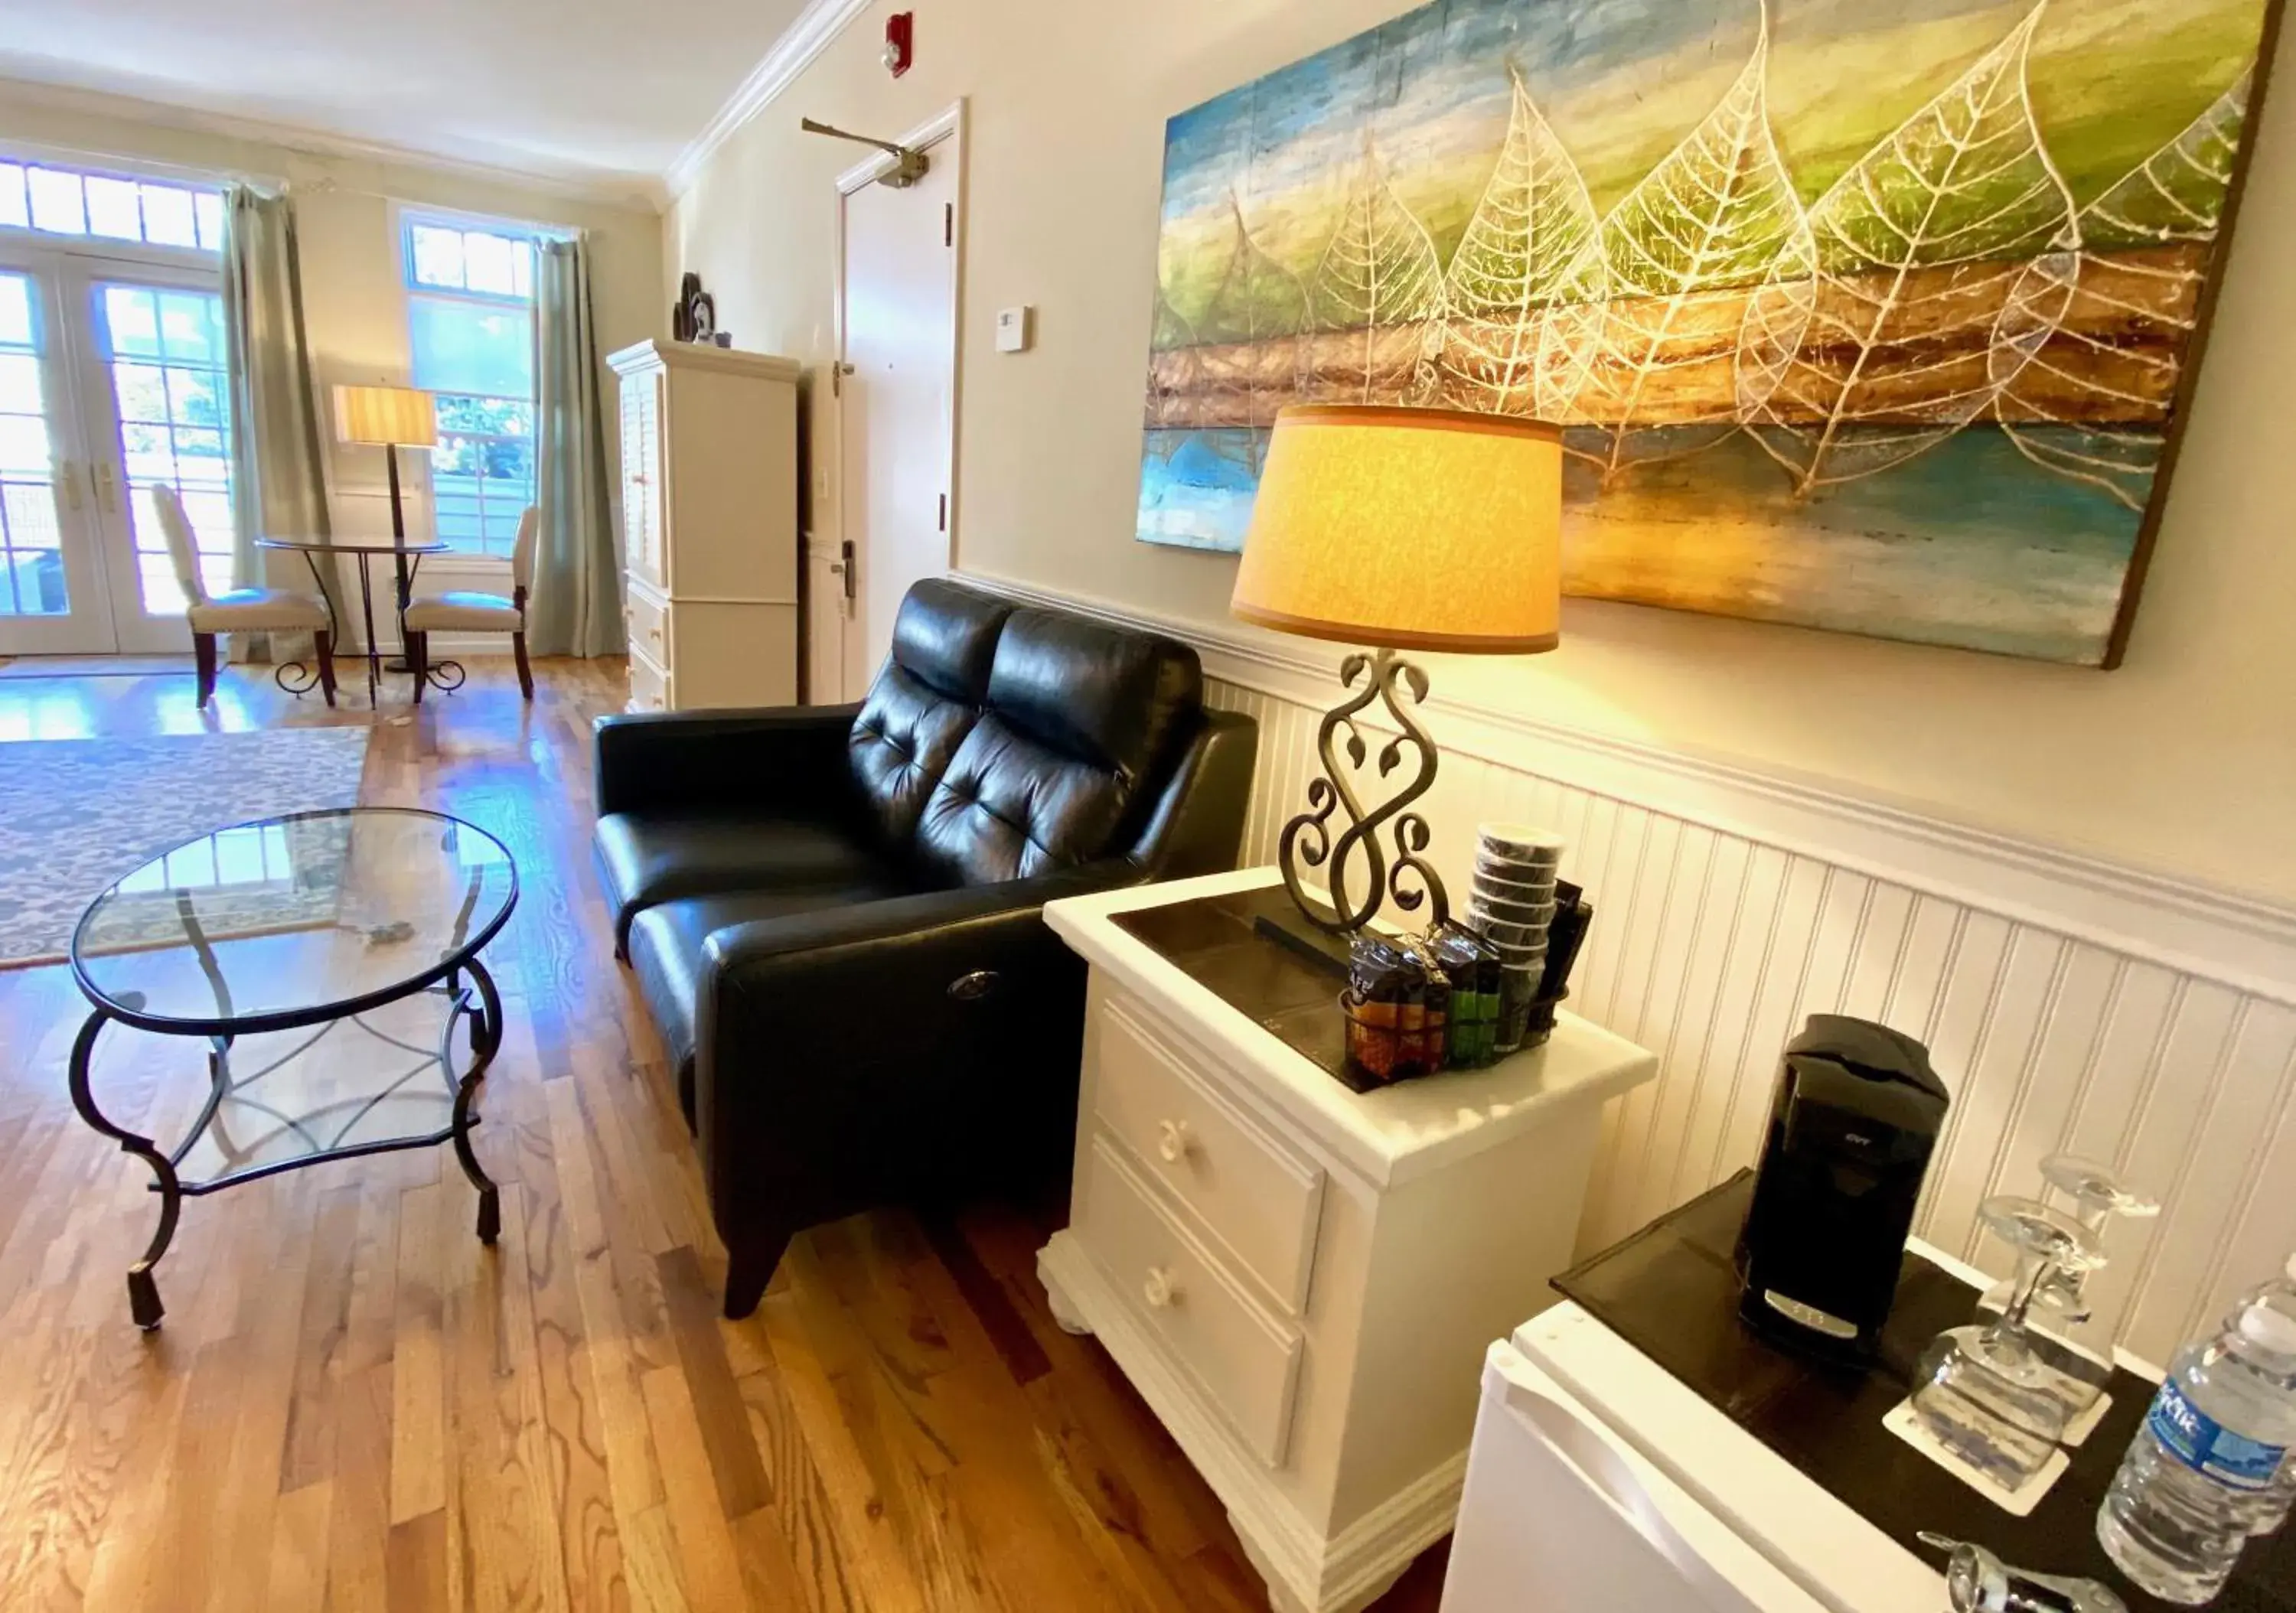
<point>293,920</point>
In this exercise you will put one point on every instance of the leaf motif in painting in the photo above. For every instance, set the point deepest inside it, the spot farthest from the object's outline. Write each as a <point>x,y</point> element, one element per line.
<point>1516,259</point>
<point>1254,356</point>
<point>1714,216</point>
<point>2092,403</point>
<point>1173,377</point>
<point>1920,247</point>
<point>1377,296</point>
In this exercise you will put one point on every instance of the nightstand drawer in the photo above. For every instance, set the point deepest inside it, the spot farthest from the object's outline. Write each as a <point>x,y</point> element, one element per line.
<point>1258,1199</point>
<point>1247,1362</point>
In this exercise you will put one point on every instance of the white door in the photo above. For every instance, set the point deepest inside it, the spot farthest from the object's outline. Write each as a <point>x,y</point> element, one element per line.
<point>829,611</point>
<point>53,596</point>
<point>156,403</point>
<point>897,394</point>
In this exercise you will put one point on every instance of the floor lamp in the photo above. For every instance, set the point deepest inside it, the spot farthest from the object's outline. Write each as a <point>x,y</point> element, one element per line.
<point>389,418</point>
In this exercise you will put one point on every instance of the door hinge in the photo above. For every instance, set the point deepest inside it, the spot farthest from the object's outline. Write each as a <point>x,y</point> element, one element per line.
<point>845,552</point>
<point>944,511</point>
<point>948,224</point>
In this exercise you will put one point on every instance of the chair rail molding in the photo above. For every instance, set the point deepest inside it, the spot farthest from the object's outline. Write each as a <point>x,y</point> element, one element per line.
<point>2243,941</point>
<point>2068,1001</point>
<point>808,34</point>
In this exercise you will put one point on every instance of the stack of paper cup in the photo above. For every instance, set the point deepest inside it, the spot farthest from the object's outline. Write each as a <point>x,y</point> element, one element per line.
<point>1511,904</point>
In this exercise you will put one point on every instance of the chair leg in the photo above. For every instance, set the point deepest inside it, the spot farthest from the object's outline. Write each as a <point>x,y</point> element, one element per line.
<point>750,1268</point>
<point>418,660</point>
<point>322,650</point>
<point>203,662</point>
<point>525,672</point>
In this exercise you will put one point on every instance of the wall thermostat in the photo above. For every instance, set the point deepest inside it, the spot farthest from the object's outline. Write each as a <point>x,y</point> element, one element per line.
<point>1015,329</point>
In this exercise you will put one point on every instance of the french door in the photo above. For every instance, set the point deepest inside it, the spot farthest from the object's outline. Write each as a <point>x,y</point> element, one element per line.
<point>111,383</point>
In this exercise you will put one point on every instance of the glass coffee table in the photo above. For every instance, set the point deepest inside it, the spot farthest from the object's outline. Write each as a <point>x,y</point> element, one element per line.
<point>328,960</point>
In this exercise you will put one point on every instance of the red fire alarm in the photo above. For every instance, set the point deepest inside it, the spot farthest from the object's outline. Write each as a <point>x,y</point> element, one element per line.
<point>900,34</point>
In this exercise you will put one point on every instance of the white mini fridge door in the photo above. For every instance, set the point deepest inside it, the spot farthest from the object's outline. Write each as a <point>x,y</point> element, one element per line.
<point>1560,1516</point>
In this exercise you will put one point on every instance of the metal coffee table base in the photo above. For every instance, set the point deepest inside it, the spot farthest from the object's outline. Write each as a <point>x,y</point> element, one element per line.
<point>482,1010</point>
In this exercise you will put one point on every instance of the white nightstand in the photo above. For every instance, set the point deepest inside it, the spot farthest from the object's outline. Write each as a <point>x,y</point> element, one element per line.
<point>1299,1279</point>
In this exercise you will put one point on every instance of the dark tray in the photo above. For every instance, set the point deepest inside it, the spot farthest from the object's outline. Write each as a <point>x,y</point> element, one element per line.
<point>1672,1292</point>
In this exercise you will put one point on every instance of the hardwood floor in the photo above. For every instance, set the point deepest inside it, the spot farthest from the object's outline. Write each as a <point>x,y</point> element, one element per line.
<point>353,1405</point>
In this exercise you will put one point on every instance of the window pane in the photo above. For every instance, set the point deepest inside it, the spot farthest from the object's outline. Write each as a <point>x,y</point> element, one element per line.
<point>209,206</point>
<point>193,399</point>
<point>521,270</point>
<point>162,595</point>
<point>111,209</point>
<point>142,390</point>
<point>487,261</point>
<point>57,206</point>
<point>23,444</point>
<point>191,325</point>
<point>438,255</point>
<point>461,347</point>
<point>167,216</point>
<point>16,310</point>
<point>151,457</point>
<point>13,214</point>
<point>132,319</point>
<point>20,384</point>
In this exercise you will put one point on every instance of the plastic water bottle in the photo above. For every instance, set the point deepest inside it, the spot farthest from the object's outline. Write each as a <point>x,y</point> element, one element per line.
<point>2273,1504</point>
<point>2197,1473</point>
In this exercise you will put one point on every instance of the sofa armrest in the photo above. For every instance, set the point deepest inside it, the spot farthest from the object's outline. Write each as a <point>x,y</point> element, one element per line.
<point>856,1050</point>
<point>790,758</point>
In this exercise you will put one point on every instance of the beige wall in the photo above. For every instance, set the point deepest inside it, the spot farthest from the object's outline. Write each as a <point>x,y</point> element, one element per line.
<point>2184,759</point>
<point>354,306</point>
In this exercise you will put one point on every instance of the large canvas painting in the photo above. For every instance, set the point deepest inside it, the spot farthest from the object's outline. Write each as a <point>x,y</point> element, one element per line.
<point>1864,314</point>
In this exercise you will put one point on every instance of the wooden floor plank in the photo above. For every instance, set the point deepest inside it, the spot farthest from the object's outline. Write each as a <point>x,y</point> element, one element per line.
<point>354,1406</point>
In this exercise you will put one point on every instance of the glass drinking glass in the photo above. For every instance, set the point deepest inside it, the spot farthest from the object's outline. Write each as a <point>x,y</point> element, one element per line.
<point>1982,1390</point>
<point>2077,1315</point>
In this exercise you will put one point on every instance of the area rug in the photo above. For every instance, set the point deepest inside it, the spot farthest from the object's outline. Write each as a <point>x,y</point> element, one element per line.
<point>98,665</point>
<point>77,814</point>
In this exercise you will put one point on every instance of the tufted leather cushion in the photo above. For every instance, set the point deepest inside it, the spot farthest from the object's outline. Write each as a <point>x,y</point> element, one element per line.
<point>924,701</point>
<point>1078,715</point>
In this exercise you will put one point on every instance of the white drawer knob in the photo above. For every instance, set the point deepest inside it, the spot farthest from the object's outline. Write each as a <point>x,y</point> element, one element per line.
<point>1159,1290</point>
<point>1173,1141</point>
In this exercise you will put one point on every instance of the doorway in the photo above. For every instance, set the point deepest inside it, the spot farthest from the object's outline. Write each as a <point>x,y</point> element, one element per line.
<point>895,379</point>
<point>112,383</point>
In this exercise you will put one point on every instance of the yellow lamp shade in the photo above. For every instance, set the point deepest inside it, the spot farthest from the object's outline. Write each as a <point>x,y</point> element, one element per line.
<point>1408,529</point>
<point>399,416</point>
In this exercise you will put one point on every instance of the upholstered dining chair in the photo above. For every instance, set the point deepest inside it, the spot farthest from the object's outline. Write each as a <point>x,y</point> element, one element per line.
<point>240,611</point>
<point>465,612</point>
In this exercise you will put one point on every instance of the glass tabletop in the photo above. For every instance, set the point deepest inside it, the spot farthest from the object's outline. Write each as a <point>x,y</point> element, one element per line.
<point>293,920</point>
<point>350,545</point>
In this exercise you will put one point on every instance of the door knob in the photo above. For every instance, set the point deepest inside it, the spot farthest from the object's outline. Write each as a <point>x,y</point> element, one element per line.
<point>1173,1141</point>
<point>1159,1290</point>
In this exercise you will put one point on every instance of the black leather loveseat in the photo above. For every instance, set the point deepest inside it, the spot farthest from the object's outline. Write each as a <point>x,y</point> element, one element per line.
<point>835,913</point>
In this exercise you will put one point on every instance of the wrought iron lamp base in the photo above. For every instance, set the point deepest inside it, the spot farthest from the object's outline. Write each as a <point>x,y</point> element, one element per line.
<point>1358,852</point>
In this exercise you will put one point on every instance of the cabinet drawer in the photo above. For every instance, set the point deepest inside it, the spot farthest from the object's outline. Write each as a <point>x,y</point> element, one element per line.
<point>650,689</point>
<point>648,627</point>
<point>1247,1363</point>
<point>1258,1200</point>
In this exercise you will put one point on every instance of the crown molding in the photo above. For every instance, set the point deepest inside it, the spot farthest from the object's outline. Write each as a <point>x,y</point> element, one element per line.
<point>640,191</point>
<point>2244,941</point>
<point>805,38</point>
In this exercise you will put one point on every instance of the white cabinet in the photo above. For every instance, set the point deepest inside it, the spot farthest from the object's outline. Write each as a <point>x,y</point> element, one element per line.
<point>1300,1279</point>
<point>709,513</point>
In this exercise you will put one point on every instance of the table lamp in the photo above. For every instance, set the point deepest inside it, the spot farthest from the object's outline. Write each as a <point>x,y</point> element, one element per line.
<point>1395,528</point>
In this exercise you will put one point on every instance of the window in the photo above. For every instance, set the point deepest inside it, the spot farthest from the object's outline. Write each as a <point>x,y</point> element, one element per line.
<point>469,297</point>
<point>65,201</point>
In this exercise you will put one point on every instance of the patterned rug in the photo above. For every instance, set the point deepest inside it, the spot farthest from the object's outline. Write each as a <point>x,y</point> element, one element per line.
<point>77,814</point>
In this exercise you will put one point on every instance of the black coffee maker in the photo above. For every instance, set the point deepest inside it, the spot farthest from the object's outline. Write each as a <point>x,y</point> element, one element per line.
<point>1852,1124</point>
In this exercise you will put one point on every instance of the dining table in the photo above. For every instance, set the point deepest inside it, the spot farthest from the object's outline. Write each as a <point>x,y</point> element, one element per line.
<point>408,557</point>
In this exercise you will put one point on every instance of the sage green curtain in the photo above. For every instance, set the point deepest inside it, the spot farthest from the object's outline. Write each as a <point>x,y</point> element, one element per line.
<point>278,482</point>
<point>575,607</point>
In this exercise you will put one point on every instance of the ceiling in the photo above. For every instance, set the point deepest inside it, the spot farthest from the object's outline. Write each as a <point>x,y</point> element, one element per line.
<point>600,92</point>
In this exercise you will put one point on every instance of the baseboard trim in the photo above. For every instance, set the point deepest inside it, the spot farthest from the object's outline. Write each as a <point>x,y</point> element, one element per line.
<point>2243,941</point>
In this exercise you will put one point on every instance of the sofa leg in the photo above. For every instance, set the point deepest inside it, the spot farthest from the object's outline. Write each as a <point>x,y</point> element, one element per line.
<point>749,1266</point>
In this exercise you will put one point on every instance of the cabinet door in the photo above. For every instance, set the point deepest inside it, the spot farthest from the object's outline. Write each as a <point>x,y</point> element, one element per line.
<point>644,473</point>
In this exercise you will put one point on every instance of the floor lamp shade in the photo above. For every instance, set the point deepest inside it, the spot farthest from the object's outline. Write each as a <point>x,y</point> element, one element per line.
<point>1407,529</point>
<point>386,416</point>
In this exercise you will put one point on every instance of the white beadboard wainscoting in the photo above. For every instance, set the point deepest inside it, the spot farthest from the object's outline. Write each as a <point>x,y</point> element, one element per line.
<point>2067,1002</point>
